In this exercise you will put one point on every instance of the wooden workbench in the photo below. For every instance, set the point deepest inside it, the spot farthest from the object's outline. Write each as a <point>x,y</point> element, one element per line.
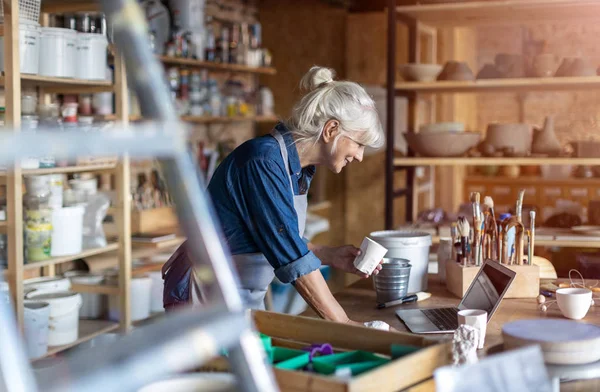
<point>359,303</point>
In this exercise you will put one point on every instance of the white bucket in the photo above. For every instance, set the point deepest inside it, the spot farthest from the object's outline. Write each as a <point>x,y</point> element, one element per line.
<point>67,231</point>
<point>93,305</point>
<point>64,316</point>
<point>29,47</point>
<point>156,303</point>
<point>140,300</point>
<point>208,382</point>
<point>412,246</point>
<point>58,52</point>
<point>56,190</point>
<point>37,317</point>
<point>91,56</point>
<point>47,284</point>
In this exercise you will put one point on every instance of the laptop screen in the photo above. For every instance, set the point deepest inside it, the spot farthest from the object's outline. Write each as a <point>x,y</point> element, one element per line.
<point>488,288</point>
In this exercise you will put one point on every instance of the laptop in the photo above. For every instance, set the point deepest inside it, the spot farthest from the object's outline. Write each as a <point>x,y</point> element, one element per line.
<point>485,293</point>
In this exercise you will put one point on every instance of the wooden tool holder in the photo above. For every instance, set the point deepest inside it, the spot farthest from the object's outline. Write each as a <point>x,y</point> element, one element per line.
<point>525,285</point>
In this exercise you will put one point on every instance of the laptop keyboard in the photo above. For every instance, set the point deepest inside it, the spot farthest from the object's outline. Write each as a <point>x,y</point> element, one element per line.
<point>444,318</point>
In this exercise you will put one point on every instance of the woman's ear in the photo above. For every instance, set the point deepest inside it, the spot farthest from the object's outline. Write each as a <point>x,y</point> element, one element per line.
<point>331,130</point>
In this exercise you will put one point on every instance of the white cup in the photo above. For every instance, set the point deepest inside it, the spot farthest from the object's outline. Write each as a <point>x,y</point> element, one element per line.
<point>476,319</point>
<point>371,254</point>
<point>574,303</point>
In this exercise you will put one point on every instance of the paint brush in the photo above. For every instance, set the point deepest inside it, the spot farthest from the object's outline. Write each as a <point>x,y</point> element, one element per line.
<point>531,238</point>
<point>453,235</point>
<point>492,252</point>
<point>477,239</point>
<point>463,231</point>
<point>519,208</point>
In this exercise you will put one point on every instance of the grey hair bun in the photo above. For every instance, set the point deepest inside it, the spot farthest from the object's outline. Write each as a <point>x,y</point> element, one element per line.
<point>316,77</point>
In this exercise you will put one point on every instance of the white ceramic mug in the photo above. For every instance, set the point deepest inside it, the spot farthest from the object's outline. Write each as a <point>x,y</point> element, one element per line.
<point>477,319</point>
<point>574,303</point>
<point>371,253</point>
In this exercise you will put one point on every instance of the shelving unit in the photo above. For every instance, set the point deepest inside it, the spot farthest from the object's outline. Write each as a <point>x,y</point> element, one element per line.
<point>12,80</point>
<point>212,66</point>
<point>424,22</point>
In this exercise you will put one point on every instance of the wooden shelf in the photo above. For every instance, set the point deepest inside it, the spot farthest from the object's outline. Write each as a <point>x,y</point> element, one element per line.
<point>223,120</point>
<point>505,12</point>
<point>68,6</point>
<point>198,64</point>
<point>501,85</point>
<point>58,260</point>
<point>66,85</point>
<point>88,329</point>
<point>526,180</point>
<point>70,169</point>
<point>318,207</point>
<point>153,317</point>
<point>417,161</point>
<point>95,289</point>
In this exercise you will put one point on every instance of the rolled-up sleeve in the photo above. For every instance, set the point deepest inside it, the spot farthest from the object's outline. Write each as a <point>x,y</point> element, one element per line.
<point>264,195</point>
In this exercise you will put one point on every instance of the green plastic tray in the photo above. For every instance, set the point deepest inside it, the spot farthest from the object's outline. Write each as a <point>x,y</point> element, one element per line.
<point>357,361</point>
<point>266,341</point>
<point>289,359</point>
<point>400,350</point>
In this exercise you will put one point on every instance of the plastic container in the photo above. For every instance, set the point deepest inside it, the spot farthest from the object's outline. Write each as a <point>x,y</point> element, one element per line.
<point>141,288</point>
<point>412,246</point>
<point>156,302</point>
<point>37,183</point>
<point>37,317</point>
<point>205,382</point>
<point>29,47</point>
<point>56,182</point>
<point>58,52</point>
<point>67,231</point>
<point>47,284</point>
<point>392,281</point>
<point>93,305</point>
<point>288,359</point>
<point>91,56</point>
<point>354,362</point>
<point>88,186</point>
<point>4,292</point>
<point>64,315</point>
<point>28,102</point>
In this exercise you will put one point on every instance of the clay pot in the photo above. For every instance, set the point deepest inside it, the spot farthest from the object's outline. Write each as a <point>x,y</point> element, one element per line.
<point>575,66</point>
<point>488,170</point>
<point>510,171</point>
<point>510,65</point>
<point>489,71</point>
<point>442,144</point>
<point>515,136</point>
<point>531,171</point>
<point>420,72</point>
<point>544,65</point>
<point>455,70</point>
<point>545,140</point>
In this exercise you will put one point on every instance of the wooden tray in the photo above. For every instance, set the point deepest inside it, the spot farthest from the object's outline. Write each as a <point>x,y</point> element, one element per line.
<point>525,285</point>
<point>297,332</point>
<point>153,220</point>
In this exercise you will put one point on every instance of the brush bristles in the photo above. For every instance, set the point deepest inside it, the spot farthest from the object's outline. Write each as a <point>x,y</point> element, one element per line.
<point>532,215</point>
<point>473,197</point>
<point>477,197</point>
<point>488,202</point>
<point>463,227</point>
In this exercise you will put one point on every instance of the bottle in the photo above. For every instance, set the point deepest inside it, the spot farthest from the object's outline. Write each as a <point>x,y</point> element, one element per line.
<point>224,46</point>
<point>233,44</point>
<point>243,45</point>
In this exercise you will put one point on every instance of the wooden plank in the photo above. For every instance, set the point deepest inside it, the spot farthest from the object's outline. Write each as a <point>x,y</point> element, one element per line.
<point>95,289</point>
<point>502,85</point>
<point>464,161</point>
<point>318,207</point>
<point>14,180</point>
<point>62,85</point>
<point>503,12</point>
<point>529,180</point>
<point>210,119</point>
<point>64,259</point>
<point>198,64</point>
<point>88,329</point>
<point>69,6</point>
<point>70,169</point>
<point>123,182</point>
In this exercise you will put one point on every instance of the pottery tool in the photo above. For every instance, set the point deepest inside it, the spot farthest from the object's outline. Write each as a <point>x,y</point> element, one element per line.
<point>453,236</point>
<point>477,221</point>
<point>491,229</point>
<point>463,231</point>
<point>531,237</point>
<point>519,207</point>
<point>420,296</point>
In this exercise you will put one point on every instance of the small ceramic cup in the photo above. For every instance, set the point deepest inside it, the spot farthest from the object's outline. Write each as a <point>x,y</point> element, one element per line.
<point>371,253</point>
<point>477,319</point>
<point>574,303</point>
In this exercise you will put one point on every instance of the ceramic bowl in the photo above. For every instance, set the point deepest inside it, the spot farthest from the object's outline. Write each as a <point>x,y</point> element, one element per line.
<point>455,70</point>
<point>574,303</point>
<point>544,65</point>
<point>420,72</point>
<point>515,136</point>
<point>510,65</point>
<point>443,127</point>
<point>442,144</point>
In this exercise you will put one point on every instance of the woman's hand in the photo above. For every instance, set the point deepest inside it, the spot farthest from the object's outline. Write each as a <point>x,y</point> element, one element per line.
<point>341,258</point>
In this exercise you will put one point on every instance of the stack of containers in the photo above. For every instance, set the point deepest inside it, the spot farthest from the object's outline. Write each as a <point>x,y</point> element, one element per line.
<point>141,297</point>
<point>93,305</point>
<point>29,47</point>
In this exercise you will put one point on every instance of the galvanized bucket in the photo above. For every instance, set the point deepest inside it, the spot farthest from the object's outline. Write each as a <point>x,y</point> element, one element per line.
<point>392,281</point>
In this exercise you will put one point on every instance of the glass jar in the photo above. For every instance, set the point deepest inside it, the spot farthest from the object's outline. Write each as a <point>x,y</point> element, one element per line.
<point>3,251</point>
<point>38,225</point>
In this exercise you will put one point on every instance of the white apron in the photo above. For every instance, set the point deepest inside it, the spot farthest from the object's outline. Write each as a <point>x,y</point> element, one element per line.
<point>255,272</point>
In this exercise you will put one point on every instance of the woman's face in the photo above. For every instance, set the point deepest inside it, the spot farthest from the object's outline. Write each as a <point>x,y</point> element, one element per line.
<point>346,151</point>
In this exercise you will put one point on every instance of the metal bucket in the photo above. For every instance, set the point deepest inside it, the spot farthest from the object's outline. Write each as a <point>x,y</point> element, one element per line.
<point>392,281</point>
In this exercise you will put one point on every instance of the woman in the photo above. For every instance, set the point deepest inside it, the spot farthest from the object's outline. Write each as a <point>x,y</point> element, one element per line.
<point>259,193</point>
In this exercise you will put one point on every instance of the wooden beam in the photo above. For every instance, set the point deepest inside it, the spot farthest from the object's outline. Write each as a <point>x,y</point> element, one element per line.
<point>12,84</point>
<point>123,197</point>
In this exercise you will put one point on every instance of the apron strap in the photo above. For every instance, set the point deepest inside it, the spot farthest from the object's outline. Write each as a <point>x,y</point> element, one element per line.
<point>284,153</point>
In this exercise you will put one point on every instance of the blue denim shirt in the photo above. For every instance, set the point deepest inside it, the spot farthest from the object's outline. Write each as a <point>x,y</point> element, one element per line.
<point>251,193</point>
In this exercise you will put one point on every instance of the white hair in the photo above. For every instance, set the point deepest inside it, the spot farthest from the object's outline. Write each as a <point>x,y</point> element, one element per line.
<point>346,102</point>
